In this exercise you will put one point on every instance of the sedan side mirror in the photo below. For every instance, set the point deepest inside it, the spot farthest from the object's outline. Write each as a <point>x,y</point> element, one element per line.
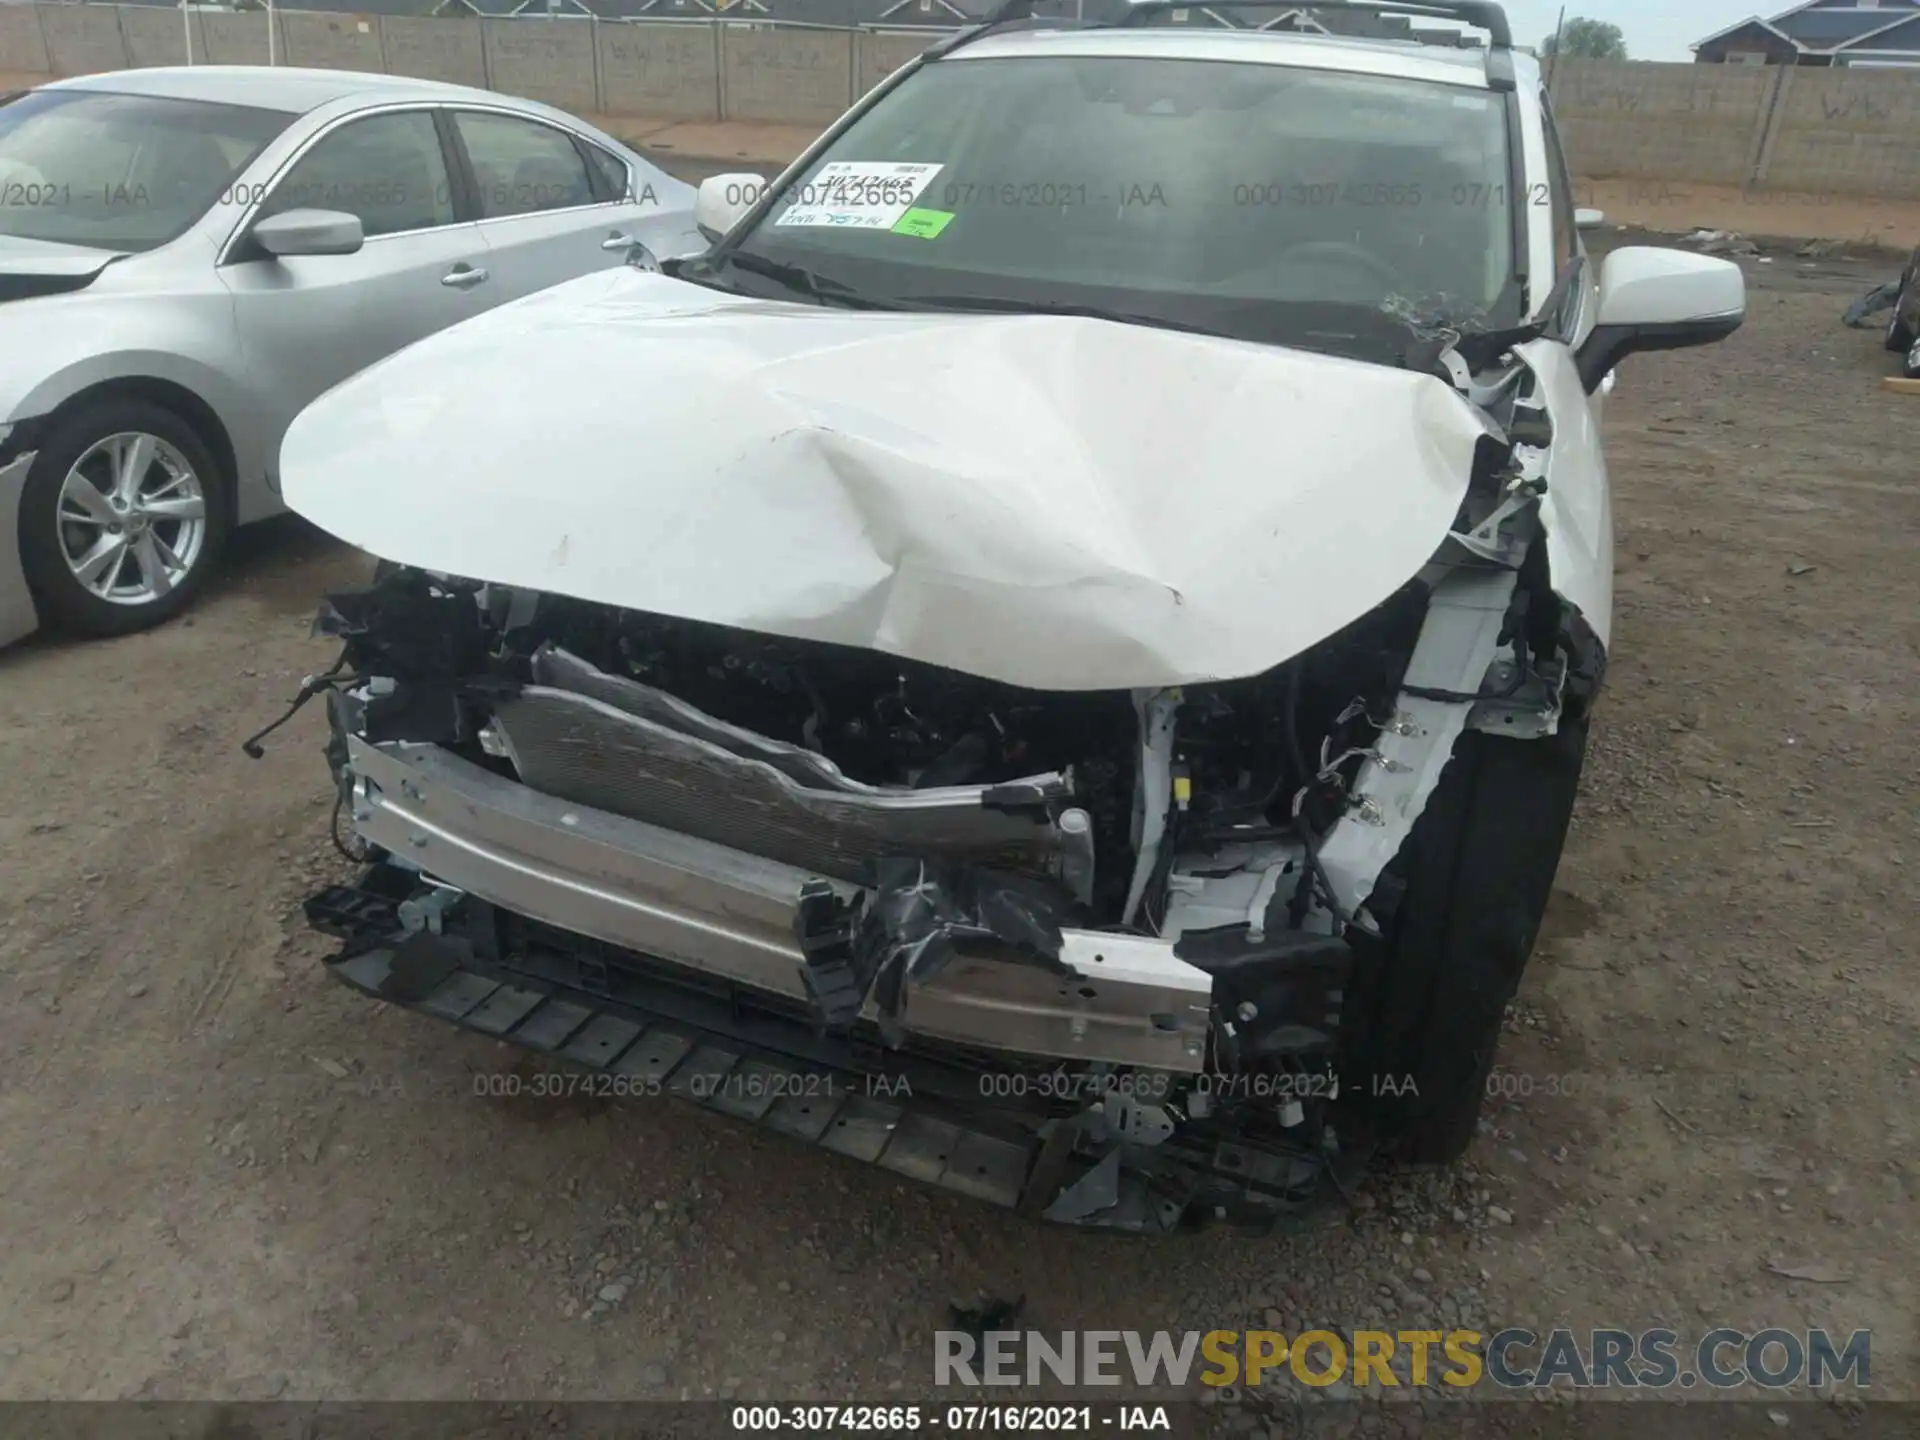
<point>310,232</point>
<point>1658,299</point>
<point>1584,219</point>
<point>723,199</point>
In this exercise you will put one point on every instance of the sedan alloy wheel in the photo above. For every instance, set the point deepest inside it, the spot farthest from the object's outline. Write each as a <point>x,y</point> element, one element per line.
<point>132,518</point>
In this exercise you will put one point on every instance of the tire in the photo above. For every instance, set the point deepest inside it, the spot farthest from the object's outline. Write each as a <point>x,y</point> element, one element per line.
<point>1910,365</point>
<point>55,525</point>
<point>1473,880</point>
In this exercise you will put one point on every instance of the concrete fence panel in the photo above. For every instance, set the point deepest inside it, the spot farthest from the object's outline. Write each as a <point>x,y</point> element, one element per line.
<point>548,60</point>
<point>1655,121</point>
<point>787,76</point>
<point>239,39</point>
<point>1847,132</point>
<point>667,71</point>
<point>84,39</point>
<point>156,37</point>
<point>881,54</point>
<point>432,49</point>
<point>1781,129</point>
<point>22,45</point>
<point>331,42</point>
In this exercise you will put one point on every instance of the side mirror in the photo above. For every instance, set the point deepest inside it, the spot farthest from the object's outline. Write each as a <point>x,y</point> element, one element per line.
<point>723,199</point>
<point>1658,299</point>
<point>310,232</point>
<point>1584,219</point>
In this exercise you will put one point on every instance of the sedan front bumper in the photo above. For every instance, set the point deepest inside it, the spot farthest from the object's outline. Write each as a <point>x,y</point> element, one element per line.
<point>18,616</point>
<point>650,962</point>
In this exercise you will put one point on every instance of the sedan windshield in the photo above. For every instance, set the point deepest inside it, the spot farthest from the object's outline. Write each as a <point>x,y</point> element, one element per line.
<point>120,172</point>
<point>1266,201</point>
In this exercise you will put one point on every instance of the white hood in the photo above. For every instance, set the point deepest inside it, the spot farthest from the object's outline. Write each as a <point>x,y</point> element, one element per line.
<point>1054,502</point>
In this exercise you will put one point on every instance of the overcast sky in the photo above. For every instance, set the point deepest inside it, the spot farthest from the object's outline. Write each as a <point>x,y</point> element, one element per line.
<point>1655,29</point>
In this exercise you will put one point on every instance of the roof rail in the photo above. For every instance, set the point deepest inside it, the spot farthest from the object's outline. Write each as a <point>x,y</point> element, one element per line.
<point>1006,13</point>
<point>1481,14</point>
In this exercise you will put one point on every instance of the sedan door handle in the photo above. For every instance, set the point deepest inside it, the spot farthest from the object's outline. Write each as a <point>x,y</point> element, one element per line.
<point>463,277</point>
<point>617,241</point>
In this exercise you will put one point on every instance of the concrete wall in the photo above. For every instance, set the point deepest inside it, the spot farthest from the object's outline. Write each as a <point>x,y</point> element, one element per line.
<point>785,75</point>
<point>81,39</point>
<point>448,50</point>
<point>236,39</point>
<point>667,71</point>
<point>21,37</point>
<point>156,37</point>
<point>551,61</point>
<point>1662,122</point>
<point>332,42</point>
<point>1836,132</point>
<point>1853,132</point>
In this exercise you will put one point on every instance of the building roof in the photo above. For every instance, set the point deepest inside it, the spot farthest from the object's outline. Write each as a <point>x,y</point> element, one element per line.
<point>1825,26</point>
<point>1826,29</point>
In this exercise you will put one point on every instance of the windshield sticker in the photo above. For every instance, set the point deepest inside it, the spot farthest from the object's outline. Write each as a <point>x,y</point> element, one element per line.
<point>857,194</point>
<point>924,223</point>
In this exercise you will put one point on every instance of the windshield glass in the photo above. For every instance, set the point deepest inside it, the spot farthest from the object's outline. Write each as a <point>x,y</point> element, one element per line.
<point>1265,201</point>
<point>120,172</point>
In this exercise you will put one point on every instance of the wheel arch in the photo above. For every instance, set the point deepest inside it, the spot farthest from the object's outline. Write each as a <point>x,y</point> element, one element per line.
<point>169,395</point>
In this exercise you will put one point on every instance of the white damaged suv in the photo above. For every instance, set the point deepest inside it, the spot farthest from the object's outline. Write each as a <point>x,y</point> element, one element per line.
<point>1055,659</point>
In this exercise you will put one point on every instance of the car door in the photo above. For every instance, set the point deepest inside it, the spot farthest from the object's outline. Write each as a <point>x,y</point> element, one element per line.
<point>308,322</point>
<point>552,205</point>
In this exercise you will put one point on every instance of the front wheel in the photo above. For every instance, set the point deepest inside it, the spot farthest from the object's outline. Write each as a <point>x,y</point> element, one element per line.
<point>1910,367</point>
<point>1471,884</point>
<point>121,519</point>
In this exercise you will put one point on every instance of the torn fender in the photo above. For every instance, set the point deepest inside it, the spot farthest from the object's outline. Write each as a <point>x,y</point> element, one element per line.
<point>1050,501</point>
<point>1576,512</point>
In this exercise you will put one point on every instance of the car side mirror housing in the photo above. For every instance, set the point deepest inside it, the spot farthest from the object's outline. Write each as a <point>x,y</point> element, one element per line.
<point>1584,219</point>
<point>723,199</point>
<point>1659,299</point>
<point>310,232</point>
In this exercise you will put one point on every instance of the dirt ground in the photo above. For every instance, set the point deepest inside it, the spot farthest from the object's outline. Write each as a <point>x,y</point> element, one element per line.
<point>226,1176</point>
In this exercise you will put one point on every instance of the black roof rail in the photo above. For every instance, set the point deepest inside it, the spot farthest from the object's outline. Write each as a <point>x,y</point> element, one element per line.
<point>1481,14</point>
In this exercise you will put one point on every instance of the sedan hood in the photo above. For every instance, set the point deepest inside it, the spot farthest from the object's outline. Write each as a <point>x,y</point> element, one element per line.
<point>30,268</point>
<point>1054,502</point>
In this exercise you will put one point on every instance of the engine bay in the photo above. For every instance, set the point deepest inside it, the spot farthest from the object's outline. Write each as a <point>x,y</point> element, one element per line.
<point>1261,760</point>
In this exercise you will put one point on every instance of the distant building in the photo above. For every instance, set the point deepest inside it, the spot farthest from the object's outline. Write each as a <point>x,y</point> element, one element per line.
<point>1854,33</point>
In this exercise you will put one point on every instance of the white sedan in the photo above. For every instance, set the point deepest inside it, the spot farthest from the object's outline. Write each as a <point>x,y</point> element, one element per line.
<point>189,256</point>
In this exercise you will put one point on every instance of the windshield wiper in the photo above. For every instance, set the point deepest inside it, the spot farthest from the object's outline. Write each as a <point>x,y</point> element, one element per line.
<point>803,281</point>
<point>1002,305</point>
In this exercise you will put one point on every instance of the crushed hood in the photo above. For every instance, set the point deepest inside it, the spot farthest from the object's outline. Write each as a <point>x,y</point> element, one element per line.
<point>1050,501</point>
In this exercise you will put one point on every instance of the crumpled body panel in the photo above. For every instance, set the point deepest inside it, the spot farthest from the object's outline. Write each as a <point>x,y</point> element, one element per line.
<point>1055,502</point>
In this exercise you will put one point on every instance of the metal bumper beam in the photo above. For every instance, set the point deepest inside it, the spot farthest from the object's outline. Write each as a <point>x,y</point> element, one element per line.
<point>722,912</point>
